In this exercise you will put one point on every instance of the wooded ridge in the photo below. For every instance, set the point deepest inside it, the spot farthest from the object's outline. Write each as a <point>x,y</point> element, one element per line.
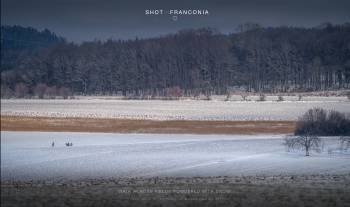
<point>189,62</point>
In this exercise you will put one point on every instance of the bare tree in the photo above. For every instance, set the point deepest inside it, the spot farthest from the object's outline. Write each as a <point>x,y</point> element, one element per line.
<point>21,90</point>
<point>344,142</point>
<point>64,92</point>
<point>51,92</point>
<point>173,92</point>
<point>244,97</point>
<point>40,90</point>
<point>196,94</point>
<point>280,98</point>
<point>300,97</point>
<point>228,96</point>
<point>207,94</point>
<point>312,122</point>
<point>262,97</point>
<point>6,92</point>
<point>320,122</point>
<point>305,142</point>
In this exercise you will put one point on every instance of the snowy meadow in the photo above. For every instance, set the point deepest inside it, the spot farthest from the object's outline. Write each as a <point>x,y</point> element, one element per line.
<point>215,109</point>
<point>30,156</point>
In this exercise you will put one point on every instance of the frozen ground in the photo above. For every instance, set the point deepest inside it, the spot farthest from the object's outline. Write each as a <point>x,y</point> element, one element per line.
<point>29,155</point>
<point>173,110</point>
<point>244,191</point>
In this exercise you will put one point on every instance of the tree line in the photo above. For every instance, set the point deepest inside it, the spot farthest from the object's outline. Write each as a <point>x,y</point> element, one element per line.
<point>189,63</point>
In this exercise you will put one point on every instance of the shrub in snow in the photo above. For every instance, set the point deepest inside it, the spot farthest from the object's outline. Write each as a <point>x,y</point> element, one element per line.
<point>207,97</point>
<point>344,145</point>
<point>300,97</point>
<point>262,97</point>
<point>244,97</point>
<point>228,96</point>
<point>280,98</point>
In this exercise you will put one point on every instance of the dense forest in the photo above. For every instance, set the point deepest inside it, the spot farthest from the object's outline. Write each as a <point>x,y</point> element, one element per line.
<point>17,41</point>
<point>189,62</point>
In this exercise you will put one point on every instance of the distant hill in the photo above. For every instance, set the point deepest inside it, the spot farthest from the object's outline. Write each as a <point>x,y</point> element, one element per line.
<point>19,41</point>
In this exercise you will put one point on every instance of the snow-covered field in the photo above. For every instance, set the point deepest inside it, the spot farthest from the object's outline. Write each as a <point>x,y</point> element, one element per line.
<point>172,110</point>
<point>29,155</point>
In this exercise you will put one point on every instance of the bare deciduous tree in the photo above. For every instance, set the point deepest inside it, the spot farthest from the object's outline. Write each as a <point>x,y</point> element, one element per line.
<point>280,98</point>
<point>173,92</point>
<point>262,97</point>
<point>228,96</point>
<point>40,90</point>
<point>311,122</point>
<point>344,142</point>
<point>321,122</point>
<point>21,90</point>
<point>300,97</point>
<point>51,92</point>
<point>64,92</point>
<point>6,92</point>
<point>304,142</point>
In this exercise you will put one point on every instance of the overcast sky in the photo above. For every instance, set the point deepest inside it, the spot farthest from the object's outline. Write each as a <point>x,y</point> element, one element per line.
<point>80,20</point>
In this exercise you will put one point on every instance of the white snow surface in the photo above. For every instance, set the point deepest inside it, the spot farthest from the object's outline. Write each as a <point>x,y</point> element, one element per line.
<point>29,156</point>
<point>170,110</point>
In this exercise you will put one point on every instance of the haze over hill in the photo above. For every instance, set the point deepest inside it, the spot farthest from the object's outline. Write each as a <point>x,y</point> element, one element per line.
<point>85,20</point>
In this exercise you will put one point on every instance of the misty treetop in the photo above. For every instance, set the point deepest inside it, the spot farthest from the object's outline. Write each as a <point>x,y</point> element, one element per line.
<point>195,61</point>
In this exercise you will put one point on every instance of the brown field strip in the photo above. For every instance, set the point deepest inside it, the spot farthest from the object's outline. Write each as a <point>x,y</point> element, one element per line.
<point>15,123</point>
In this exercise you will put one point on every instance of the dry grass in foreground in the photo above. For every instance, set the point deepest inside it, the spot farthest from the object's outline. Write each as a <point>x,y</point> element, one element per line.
<point>16,123</point>
<point>273,191</point>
